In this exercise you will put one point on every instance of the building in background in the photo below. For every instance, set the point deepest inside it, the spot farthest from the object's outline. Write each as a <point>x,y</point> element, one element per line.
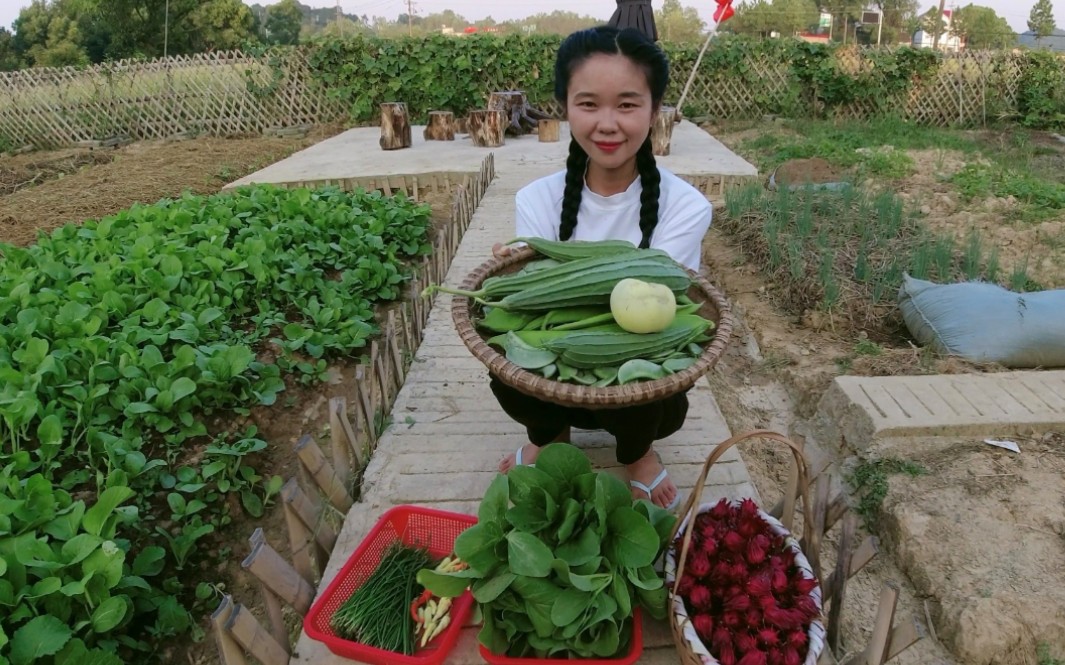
<point>947,41</point>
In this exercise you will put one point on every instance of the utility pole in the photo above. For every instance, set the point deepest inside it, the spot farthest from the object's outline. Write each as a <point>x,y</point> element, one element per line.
<point>166,28</point>
<point>340,26</point>
<point>939,25</point>
<point>410,10</point>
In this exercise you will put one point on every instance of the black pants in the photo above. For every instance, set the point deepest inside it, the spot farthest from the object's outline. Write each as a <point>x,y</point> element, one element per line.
<point>634,427</point>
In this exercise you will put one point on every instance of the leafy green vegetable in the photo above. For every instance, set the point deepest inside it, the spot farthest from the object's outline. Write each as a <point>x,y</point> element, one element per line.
<point>117,338</point>
<point>559,558</point>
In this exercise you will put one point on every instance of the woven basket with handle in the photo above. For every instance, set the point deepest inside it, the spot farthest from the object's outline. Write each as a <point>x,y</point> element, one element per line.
<point>691,649</point>
<point>464,311</point>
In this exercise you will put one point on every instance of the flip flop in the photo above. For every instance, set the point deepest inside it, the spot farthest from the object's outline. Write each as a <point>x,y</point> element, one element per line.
<point>654,484</point>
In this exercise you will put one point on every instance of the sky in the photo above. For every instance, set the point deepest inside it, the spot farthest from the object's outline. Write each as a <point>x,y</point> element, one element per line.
<point>1014,11</point>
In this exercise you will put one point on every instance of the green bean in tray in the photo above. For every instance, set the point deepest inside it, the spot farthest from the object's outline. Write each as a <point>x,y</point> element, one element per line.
<point>596,313</point>
<point>378,613</point>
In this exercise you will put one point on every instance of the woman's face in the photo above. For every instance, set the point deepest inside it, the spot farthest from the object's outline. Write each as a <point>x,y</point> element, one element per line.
<point>610,110</point>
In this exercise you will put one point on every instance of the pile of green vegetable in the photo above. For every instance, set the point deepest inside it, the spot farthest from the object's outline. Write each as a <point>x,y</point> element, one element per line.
<point>594,313</point>
<point>117,337</point>
<point>558,559</point>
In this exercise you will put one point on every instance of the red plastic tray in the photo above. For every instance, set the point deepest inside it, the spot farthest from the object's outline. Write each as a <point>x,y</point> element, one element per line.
<point>635,649</point>
<point>435,529</point>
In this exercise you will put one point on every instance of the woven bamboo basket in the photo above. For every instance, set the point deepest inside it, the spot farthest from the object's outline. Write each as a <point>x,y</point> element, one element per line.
<point>464,311</point>
<point>690,648</point>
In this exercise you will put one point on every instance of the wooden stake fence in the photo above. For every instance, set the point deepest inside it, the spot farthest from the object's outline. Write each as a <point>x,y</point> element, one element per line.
<point>353,436</point>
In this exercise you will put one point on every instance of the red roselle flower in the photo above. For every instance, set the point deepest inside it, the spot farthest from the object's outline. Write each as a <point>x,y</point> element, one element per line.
<point>709,542</point>
<point>784,619</point>
<point>807,606</point>
<point>744,642</point>
<point>757,550</point>
<point>704,626</point>
<point>753,657</point>
<point>792,657</point>
<point>748,509</point>
<point>738,573</point>
<point>732,619</point>
<point>687,583</point>
<point>804,585</point>
<point>734,542</point>
<point>701,597</point>
<point>721,511</point>
<point>797,639</point>
<point>738,603</point>
<point>759,586</point>
<point>754,617</point>
<point>698,565</point>
<point>775,656</point>
<point>721,640</point>
<point>720,574</point>
<point>727,657</point>
<point>780,581</point>
<point>768,637</point>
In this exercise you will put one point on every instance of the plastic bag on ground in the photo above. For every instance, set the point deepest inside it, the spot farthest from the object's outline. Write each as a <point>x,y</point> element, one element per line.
<point>984,322</point>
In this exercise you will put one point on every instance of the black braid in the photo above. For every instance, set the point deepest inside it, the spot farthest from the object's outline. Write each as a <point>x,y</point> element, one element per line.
<point>650,179</point>
<point>571,198</point>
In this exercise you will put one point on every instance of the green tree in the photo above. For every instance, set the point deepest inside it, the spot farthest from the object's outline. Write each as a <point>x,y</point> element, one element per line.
<point>283,22</point>
<point>46,36</point>
<point>677,23</point>
<point>1041,20</point>
<point>982,28</point>
<point>793,16</point>
<point>140,28</point>
<point>899,17</point>
<point>557,22</point>
<point>220,25</point>
<point>8,57</point>
<point>763,17</point>
<point>844,14</point>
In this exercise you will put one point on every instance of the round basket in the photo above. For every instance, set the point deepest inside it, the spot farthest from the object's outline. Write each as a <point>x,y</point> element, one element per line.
<point>690,648</point>
<point>463,311</point>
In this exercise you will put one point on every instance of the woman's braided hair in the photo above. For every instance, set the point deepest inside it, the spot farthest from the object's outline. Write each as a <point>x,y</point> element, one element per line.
<point>635,46</point>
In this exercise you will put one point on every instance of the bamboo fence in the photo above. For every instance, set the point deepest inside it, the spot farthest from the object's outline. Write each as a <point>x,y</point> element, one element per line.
<point>234,93</point>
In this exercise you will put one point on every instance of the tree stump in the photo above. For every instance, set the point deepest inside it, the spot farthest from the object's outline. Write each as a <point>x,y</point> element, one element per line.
<point>662,131</point>
<point>441,126</point>
<point>395,126</point>
<point>487,128</point>
<point>548,130</point>
<point>462,125</point>
<point>522,117</point>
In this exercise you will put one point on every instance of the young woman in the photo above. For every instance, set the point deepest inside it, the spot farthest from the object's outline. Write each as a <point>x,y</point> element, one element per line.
<point>612,83</point>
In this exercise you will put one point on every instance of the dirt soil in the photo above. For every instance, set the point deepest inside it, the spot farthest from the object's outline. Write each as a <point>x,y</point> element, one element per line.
<point>951,539</point>
<point>813,171</point>
<point>1036,245</point>
<point>50,189</point>
<point>983,536</point>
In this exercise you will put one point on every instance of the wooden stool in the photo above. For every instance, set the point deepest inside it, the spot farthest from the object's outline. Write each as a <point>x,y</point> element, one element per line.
<point>548,130</point>
<point>441,126</point>
<point>395,126</point>
<point>662,131</point>
<point>487,128</point>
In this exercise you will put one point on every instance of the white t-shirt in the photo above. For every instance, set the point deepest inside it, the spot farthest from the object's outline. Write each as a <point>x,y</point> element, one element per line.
<point>683,215</point>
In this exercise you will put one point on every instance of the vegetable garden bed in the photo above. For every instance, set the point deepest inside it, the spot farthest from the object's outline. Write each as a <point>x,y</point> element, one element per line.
<point>139,352</point>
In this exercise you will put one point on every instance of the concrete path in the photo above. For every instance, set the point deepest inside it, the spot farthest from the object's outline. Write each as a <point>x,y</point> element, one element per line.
<point>355,153</point>
<point>448,432</point>
<point>868,410</point>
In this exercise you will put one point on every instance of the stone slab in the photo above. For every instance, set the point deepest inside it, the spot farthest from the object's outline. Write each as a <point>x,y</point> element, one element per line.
<point>861,411</point>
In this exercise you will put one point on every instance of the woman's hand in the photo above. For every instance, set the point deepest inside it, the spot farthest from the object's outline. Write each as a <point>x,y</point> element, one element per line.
<point>499,250</point>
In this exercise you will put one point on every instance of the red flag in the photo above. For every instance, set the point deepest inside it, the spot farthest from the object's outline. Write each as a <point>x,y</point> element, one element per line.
<point>724,11</point>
